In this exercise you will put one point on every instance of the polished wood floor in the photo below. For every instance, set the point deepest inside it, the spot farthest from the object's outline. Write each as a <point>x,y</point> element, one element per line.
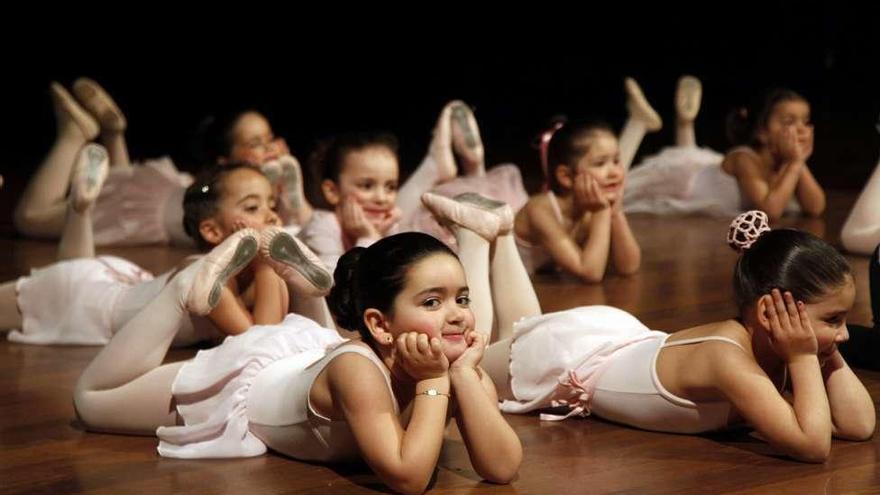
<point>684,281</point>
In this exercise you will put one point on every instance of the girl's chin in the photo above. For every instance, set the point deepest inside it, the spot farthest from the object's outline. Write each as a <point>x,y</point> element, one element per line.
<point>453,349</point>
<point>827,353</point>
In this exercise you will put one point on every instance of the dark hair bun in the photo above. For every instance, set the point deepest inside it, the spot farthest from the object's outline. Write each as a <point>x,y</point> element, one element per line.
<point>341,300</point>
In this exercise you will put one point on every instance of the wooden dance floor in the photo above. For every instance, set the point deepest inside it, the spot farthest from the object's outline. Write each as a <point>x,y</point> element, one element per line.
<point>684,281</point>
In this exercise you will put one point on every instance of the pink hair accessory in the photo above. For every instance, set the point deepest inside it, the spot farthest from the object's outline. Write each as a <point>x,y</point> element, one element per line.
<point>544,145</point>
<point>746,229</point>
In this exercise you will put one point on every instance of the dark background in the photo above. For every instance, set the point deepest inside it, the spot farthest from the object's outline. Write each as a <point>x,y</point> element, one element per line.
<point>516,73</point>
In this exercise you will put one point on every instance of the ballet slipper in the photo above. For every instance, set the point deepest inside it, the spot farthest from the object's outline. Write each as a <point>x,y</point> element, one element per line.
<point>639,108</point>
<point>89,172</point>
<point>98,103</point>
<point>294,262</point>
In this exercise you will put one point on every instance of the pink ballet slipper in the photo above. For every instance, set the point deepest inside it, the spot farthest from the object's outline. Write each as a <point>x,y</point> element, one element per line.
<point>98,103</point>
<point>466,139</point>
<point>638,106</point>
<point>440,149</point>
<point>450,212</point>
<point>294,262</point>
<point>89,172</point>
<point>501,209</point>
<point>68,111</point>
<point>214,269</point>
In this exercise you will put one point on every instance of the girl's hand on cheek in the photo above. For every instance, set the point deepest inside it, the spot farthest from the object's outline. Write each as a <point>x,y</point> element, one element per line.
<point>791,333</point>
<point>354,221</point>
<point>471,357</point>
<point>421,357</point>
<point>389,221</point>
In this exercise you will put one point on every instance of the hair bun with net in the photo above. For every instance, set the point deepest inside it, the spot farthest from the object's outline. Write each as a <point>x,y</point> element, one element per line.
<point>746,229</point>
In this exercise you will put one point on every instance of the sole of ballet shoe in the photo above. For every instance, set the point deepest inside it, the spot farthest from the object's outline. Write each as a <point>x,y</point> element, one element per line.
<point>449,212</point>
<point>91,172</point>
<point>479,200</point>
<point>285,249</point>
<point>461,117</point>
<point>245,250</point>
<point>499,208</point>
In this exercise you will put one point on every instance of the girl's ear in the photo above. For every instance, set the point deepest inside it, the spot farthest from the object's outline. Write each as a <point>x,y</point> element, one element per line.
<point>331,192</point>
<point>564,176</point>
<point>763,136</point>
<point>211,231</point>
<point>377,324</point>
<point>761,314</point>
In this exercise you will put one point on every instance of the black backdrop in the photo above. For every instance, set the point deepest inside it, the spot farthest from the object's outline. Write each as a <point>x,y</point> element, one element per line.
<point>314,84</point>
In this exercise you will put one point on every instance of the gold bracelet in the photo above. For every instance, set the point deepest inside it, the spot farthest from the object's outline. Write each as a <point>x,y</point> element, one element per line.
<point>433,392</point>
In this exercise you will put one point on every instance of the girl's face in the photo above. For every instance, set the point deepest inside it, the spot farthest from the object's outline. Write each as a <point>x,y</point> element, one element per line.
<point>602,162</point>
<point>434,301</point>
<point>368,176</point>
<point>253,141</point>
<point>248,200</point>
<point>788,114</point>
<point>828,317</point>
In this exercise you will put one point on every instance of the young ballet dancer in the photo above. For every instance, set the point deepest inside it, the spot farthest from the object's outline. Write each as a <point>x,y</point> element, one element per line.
<point>87,300</point>
<point>578,224</point>
<point>300,389</point>
<point>793,291</point>
<point>359,173</point>
<point>766,170</point>
<point>139,203</point>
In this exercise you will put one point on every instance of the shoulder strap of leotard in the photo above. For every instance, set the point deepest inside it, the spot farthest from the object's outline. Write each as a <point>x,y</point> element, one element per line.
<point>719,338</point>
<point>554,203</point>
<point>698,340</point>
<point>742,149</point>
